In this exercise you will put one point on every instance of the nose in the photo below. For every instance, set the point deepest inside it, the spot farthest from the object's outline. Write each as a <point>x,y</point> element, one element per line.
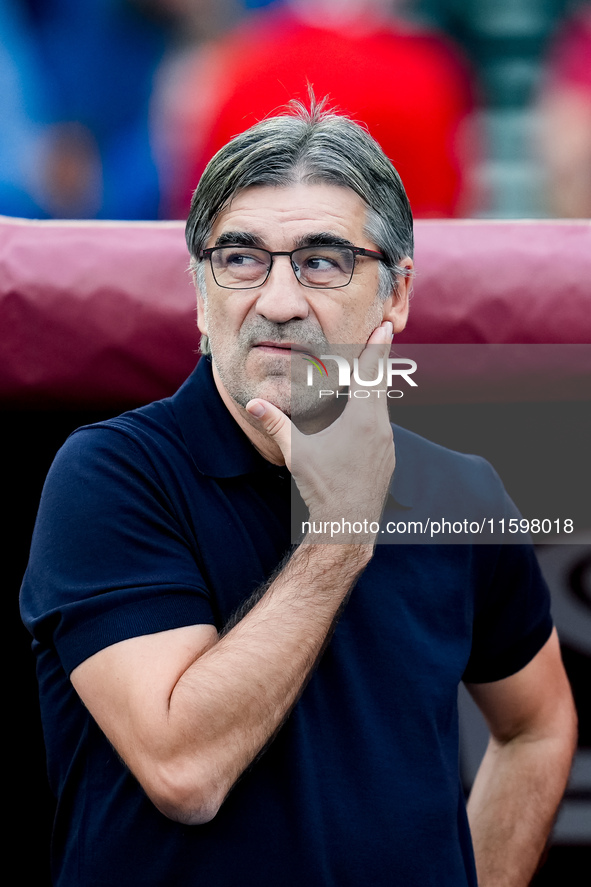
<point>282,298</point>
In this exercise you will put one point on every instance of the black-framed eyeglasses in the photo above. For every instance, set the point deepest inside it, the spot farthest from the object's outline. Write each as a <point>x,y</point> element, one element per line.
<point>318,267</point>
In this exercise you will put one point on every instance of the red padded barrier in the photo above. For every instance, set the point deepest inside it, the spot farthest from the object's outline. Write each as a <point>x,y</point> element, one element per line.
<point>93,313</point>
<point>103,313</point>
<point>502,281</point>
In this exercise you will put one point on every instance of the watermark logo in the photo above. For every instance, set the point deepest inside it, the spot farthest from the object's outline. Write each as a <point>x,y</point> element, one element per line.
<point>314,362</point>
<point>388,369</point>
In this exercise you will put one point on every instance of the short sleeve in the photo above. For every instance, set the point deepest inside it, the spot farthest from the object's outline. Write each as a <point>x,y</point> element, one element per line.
<point>512,619</point>
<point>112,554</point>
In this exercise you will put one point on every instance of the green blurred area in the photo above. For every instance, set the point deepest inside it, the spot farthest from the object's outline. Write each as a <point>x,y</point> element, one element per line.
<point>507,43</point>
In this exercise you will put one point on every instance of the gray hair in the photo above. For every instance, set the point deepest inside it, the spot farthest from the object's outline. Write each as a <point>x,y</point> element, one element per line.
<point>311,146</point>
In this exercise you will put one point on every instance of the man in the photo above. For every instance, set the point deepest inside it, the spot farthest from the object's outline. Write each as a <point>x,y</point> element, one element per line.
<point>222,707</point>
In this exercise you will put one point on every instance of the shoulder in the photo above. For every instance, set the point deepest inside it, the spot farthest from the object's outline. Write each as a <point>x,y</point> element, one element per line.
<point>137,437</point>
<point>425,470</point>
<point>428,451</point>
<point>136,463</point>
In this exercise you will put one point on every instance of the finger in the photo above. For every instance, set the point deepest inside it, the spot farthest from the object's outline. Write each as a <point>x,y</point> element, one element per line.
<point>383,334</point>
<point>372,360</point>
<point>274,423</point>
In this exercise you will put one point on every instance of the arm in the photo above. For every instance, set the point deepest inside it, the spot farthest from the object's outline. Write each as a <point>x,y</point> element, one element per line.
<point>188,711</point>
<point>523,774</point>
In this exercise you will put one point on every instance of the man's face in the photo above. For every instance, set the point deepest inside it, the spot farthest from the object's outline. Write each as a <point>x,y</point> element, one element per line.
<point>253,332</point>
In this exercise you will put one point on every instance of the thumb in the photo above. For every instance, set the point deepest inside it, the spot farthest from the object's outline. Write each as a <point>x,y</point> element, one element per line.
<point>274,423</point>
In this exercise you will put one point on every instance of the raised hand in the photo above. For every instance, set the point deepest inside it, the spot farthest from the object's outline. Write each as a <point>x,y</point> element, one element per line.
<point>343,472</point>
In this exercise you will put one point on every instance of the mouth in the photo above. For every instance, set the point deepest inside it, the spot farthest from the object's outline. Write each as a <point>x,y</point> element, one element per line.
<point>285,348</point>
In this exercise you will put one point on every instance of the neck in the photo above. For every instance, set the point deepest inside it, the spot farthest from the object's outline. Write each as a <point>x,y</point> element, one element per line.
<point>267,447</point>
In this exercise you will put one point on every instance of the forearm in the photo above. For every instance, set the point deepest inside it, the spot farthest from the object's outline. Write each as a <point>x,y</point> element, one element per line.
<point>513,804</point>
<point>231,701</point>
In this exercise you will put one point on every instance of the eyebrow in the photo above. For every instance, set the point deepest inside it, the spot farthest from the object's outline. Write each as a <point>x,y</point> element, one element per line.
<point>249,238</point>
<point>322,238</point>
<point>238,238</point>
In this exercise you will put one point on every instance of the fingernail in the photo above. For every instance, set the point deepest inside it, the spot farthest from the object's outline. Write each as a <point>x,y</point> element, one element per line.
<point>389,329</point>
<point>256,409</point>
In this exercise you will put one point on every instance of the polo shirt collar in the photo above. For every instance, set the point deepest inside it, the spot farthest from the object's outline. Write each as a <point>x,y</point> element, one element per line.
<point>403,487</point>
<point>220,448</point>
<point>216,442</point>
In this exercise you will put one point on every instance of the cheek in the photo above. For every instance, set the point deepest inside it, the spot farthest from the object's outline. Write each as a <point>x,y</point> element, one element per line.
<point>225,317</point>
<point>217,313</point>
<point>201,315</point>
<point>361,319</point>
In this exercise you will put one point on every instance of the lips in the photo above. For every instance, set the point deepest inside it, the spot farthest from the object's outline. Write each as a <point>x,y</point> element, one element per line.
<point>287,347</point>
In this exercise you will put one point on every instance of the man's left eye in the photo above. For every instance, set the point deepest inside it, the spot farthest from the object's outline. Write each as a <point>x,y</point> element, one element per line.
<point>320,263</point>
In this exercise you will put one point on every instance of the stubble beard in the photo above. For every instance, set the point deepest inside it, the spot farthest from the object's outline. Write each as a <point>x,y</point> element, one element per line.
<point>280,380</point>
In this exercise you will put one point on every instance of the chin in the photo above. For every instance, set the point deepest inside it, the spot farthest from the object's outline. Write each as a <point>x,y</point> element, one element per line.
<point>278,397</point>
<point>243,394</point>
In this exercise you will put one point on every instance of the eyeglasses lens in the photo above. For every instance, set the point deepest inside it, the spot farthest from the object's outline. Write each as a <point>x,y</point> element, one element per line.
<point>245,267</point>
<point>325,266</point>
<point>240,267</point>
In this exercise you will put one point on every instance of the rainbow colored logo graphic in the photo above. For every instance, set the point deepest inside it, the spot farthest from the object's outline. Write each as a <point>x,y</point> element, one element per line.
<point>315,361</point>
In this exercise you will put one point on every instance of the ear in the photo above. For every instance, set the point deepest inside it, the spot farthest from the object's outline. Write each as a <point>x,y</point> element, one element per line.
<point>201,324</point>
<point>397,304</point>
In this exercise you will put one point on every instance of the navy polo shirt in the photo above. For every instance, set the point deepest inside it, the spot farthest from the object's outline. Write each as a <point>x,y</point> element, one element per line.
<point>167,516</point>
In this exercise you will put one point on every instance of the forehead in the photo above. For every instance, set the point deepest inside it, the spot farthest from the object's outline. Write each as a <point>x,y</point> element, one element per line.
<point>280,216</point>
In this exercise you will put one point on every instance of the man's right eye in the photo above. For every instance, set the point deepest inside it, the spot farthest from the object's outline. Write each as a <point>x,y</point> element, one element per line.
<point>240,259</point>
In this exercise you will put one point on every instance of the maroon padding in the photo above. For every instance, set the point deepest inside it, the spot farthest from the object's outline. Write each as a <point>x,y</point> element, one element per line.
<point>94,314</point>
<point>502,281</point>
<point>103,313</point>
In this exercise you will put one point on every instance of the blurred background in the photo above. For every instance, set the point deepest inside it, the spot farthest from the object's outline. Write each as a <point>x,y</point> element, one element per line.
<point>111,108</point>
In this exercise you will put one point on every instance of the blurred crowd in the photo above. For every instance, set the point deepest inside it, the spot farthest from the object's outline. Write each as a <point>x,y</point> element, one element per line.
<point>110,109</point>
<point>565,103</point>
